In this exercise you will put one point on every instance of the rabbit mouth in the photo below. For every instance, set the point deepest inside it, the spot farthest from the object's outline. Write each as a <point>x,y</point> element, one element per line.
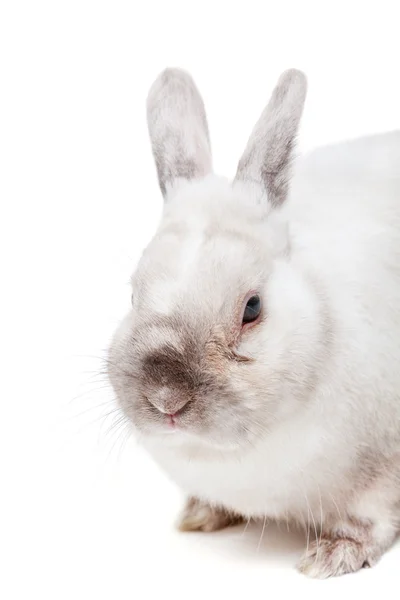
<point>173,421</point>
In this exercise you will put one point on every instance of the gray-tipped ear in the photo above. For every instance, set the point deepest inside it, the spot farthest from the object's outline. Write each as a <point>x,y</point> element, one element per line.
<point>267,157</point>
<point>178,129</point>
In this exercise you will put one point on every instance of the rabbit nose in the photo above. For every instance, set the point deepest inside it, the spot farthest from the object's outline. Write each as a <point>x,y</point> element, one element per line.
<point>168,401</point>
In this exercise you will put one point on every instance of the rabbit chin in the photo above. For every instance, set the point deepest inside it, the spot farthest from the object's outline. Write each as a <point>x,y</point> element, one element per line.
<point>192,441</point>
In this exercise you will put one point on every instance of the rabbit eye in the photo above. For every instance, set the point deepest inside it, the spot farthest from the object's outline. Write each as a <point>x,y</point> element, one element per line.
<point>252,309</point>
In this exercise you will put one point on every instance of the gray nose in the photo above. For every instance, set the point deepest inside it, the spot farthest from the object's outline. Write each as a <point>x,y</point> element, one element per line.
<point>168,401</point>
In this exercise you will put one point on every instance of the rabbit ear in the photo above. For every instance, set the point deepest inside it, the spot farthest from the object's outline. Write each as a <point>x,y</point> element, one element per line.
<point>178,129</point>
<point>267,157</point>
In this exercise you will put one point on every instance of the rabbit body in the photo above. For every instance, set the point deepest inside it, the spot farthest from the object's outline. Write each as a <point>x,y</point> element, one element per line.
<point>308,429</point>
<point>345,239</point>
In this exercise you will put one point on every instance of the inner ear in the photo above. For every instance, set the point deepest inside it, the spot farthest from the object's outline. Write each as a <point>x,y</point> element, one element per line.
<point>269,151</point>
<point>178,129</point>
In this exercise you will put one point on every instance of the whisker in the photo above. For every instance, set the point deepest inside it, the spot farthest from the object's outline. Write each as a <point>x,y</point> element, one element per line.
<point>246,526</point>
<point>114,425</point>
<point>321,516</point>
<point>87,392</point>
<point>121,428</point>
<point>101,417</point>
<point>337,508</point>
<point>308,525</point>
<point>92,408</point>
<point>262,534</point>
<point>316,535</point>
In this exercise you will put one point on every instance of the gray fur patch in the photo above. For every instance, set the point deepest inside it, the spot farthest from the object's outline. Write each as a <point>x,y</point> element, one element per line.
<point>178,129</point>
<point>268,155</point>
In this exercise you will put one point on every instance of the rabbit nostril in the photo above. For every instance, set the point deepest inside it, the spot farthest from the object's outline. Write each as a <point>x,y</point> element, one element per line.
<point>174,417</point>
<point>169,407</point>
<point>177,413</point>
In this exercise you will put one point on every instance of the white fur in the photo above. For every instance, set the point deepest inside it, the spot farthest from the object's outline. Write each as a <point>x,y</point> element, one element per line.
<point>327,259</point>
<point>350,235</point>
<point>348,231</point>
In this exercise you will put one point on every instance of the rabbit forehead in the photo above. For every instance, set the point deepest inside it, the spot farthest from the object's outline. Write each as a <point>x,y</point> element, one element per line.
<point>200,261</point>
<point>199,269</point>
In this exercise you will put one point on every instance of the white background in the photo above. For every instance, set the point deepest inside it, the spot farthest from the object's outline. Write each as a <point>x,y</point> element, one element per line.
<point>85,515</point>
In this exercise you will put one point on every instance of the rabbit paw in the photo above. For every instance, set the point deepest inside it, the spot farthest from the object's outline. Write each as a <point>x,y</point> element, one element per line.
<point>330,557</point>
<point>200,516</point>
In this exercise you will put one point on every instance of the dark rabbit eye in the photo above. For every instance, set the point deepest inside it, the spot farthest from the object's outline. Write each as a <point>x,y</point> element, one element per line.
<point>252,310</point>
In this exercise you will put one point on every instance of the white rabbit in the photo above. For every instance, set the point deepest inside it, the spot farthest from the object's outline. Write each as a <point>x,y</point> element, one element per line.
<point>260,363</point>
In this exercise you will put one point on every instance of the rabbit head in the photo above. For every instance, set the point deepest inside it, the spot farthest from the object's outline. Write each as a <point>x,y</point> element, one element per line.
<point>225,335</point>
